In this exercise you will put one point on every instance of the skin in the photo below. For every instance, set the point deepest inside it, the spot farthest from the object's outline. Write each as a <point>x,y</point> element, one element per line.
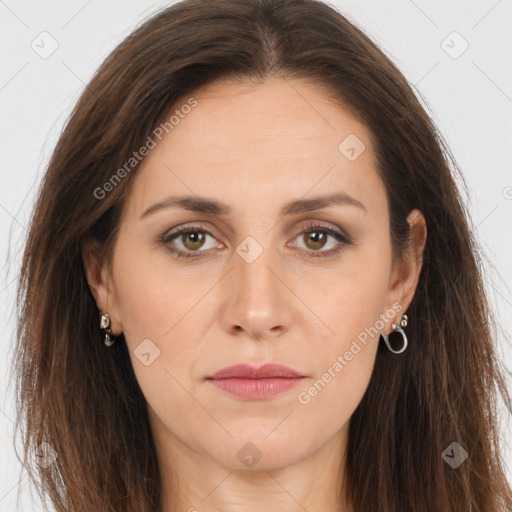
<point>255,148</point>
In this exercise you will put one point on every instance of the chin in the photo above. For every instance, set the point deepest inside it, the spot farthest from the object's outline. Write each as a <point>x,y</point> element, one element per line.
<point>253,450</point>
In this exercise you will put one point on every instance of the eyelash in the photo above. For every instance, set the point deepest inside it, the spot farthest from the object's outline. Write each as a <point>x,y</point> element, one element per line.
<point>169,237</point>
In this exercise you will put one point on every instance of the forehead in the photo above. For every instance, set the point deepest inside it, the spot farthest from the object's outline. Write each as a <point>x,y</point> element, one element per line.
<point>278,138</point>
<point>283,113</point>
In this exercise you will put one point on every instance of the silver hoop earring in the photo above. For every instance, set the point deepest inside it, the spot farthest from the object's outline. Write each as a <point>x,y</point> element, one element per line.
<point>105,324</point>
<point>397,328</point>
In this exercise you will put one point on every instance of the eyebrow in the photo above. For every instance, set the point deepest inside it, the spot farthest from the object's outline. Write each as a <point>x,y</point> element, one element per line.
<point>208,205</point>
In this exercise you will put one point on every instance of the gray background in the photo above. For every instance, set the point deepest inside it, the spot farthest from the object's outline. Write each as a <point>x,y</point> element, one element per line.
<point>469,96</point>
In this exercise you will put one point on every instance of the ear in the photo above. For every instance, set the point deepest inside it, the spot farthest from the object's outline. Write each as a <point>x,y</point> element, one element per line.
<point>406,271</point>
<point>99,278</point>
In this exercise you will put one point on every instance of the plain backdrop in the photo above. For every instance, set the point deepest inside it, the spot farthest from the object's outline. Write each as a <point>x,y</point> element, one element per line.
<point>457,54</point>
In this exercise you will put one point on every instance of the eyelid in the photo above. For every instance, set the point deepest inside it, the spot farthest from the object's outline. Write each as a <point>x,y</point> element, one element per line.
<point>342,238</point>
<point>186,229</point>
<point>335,231</point>
<point>174,233</point>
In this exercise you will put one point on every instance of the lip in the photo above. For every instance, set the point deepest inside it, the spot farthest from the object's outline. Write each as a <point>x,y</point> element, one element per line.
<point>256,383</point>
<point>247,371</point>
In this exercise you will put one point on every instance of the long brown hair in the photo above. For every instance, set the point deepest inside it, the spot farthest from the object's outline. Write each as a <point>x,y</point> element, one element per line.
<point>83,399</point>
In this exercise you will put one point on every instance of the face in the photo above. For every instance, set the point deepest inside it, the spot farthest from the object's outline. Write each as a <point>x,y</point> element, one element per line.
<point>250,269</point>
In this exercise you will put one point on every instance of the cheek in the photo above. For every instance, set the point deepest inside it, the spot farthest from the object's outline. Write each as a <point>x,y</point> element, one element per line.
<point>158,318</point>
<point>150,295</point>
<point>351,299</point>
<point>331,399</point>
<point>354,310</point>
<point>163,315</point>
<point>346,357</point>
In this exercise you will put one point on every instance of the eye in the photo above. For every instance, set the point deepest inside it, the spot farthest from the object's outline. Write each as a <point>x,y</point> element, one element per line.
<point>191,240</point>
<point>187,241</point>
<point>316,237</point>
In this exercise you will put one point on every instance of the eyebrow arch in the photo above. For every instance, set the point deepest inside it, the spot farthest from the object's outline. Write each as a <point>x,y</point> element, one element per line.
<point>207,205</point>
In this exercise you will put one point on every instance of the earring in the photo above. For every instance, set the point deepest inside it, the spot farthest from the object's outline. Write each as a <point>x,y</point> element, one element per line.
<point>398,328</point>
<point>105,324</point>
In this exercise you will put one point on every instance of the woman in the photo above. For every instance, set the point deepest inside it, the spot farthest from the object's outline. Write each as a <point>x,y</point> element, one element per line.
<point>250,284</point>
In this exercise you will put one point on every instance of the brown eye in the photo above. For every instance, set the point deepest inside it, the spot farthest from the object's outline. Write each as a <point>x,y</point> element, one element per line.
<point>320,241</point>
<point>193,240</point>
<point>315,239</point>
<point>189,242</point>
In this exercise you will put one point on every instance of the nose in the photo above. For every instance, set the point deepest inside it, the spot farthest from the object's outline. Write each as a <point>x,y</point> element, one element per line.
<point>257,299</point>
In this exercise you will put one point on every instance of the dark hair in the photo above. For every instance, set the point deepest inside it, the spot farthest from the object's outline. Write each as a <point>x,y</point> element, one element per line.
<point>84,400</point>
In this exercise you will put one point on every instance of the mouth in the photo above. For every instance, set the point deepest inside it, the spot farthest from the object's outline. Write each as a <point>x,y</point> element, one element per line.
<point>251,383</point>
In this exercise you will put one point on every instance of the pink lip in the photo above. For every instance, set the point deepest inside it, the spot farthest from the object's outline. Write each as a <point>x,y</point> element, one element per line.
<point>253,383</point>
